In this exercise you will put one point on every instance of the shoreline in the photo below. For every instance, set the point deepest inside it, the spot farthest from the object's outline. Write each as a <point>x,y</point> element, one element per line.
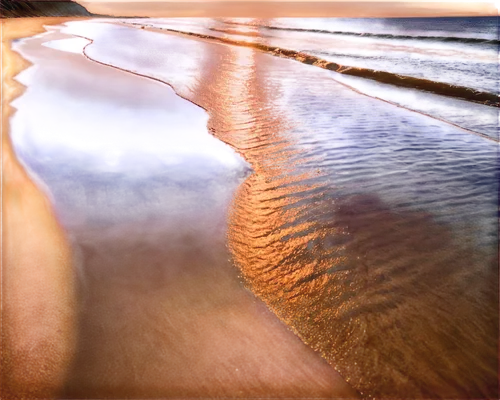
<point>323,64</point>
<point>267,356</point>
<point>247,124</point>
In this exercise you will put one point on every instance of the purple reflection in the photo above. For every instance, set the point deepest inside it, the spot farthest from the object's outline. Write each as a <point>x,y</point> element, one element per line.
<point>111,145</point>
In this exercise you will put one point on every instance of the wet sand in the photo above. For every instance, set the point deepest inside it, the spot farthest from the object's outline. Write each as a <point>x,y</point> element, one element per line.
<point>38,305</point>
<point>401,303</point>
<point>161,311</point>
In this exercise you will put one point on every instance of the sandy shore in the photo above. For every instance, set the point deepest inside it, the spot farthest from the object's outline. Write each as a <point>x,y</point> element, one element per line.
<point>37,290</point>
<point>138,311</point>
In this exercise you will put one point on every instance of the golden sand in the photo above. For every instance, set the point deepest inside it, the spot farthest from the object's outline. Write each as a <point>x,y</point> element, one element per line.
<point>37,277</point>
<point>140,334</point>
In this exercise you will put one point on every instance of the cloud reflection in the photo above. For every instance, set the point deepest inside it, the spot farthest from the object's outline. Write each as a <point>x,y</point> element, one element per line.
<point>92,133</point>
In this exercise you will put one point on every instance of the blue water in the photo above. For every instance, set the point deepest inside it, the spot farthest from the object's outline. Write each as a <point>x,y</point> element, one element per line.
<point>461,51</point>
<point>456,51</point>
<point>485,28</point>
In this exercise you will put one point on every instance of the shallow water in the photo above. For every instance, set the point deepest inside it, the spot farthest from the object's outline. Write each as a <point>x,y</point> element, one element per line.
<point>143,191</point>
<point>360,216</point>
<point>455,51</point>
<point>369,229</point>
<point>141,163</point>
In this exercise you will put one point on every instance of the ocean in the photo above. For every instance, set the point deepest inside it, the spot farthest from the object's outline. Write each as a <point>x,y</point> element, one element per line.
<point>456,57</point>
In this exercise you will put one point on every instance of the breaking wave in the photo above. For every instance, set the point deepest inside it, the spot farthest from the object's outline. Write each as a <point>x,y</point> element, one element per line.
<point>440,88</point>
<point>448,39</point>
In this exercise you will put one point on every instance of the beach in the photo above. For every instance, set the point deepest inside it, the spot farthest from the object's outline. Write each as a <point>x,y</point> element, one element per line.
<point>35,353</point>
<point>145,309</point>
<point>240,224</point>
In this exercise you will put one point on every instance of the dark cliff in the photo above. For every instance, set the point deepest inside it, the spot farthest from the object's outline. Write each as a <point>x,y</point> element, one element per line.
<point>24,8</point>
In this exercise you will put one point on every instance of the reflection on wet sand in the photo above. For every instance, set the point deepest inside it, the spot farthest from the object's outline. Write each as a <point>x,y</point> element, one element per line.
<point>401,305</point>
<point>242,115</point>
<point>37,284</point>
<point>161,310</point>
<point>367,232</point>
<point>73,140</point>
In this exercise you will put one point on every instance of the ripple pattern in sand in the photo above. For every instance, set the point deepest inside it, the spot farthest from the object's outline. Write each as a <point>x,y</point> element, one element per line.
<point>368,229</point>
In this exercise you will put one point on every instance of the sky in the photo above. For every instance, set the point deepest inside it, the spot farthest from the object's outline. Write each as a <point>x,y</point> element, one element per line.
<point>388,8</point>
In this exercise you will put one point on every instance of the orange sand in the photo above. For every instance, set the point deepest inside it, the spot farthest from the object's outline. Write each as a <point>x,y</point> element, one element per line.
<point>136,312</point>
<point>37,291</point>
